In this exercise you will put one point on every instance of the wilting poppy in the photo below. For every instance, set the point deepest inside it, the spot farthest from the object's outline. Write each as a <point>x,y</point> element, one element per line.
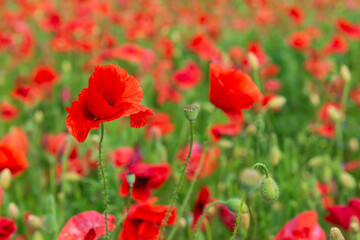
<point>88,225</point>
<point>7,228</point>
<point>144,220</point>
<point>159,125</point>
<point>232,91</point>
<point>341,214</point>
<point>209,164</point>
<point>303,226</point>
<point>147,176</point>
<point>203,198</point>
<point>112,93</point>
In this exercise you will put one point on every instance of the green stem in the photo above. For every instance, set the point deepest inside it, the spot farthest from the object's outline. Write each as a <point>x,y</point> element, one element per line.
<point>103,176</point>
<point>238,217</point>
<point>122,218</point>
<point>198,224</point>
<point>189,192</point>
<point>208,230</point>
<point>263,167</point>
<point>53,210</point>
<point>177,188</point>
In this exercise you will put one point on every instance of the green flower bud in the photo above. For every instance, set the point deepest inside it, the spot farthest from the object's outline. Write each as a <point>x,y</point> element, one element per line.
<point>191,112</point>
<point>269,190</point>
<point>130,178</point>
<point>335,234</point>
<point>249,179</point>
<point>347,180</point>
<point>234,205</point>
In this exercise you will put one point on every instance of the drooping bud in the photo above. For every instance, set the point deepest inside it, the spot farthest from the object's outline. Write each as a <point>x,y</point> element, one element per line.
<point>347,180</point>
<point>35,222</point>
<point>130,178</point>
<point>345,73</point>
<point>335,234</point>
<point>276,103</point>
<point>314,99</point>
<point>13,210</point>
<point>38,116</point>
<point>253,60</point>
<point>234,205</point>
<point>269,191</point>
<point>353,144</point>
<point>5,178</point>
<point>249,179</point>
<point>191,112</point>
<point>275,155</point>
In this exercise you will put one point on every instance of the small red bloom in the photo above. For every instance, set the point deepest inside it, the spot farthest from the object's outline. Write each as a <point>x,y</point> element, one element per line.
<point>296,14</point>
<point>125,156</point>
<point>159,125</point>
<point>209,164</point>
<point>303,226</point>
<point>341,214</point>
<point>148,176</point>
<point>326,130</point>
<point>318,67</point>
<point>324,111</point>
<point>17,139</point>
<point>144,220</point>
<point>270,70</point>
<point>112,94</point>
<point>44,76</point>
<point>203,198</point>
<point>204,47</point>
<point>352,165</point>
<point>188,77</point>
<point>352,30</point>
<point>272,85</point>
<point>355,95</point>
<point>232,91</point>
<point>12,159</point>
<point>8,111</point>
<point>7,228</point>
<point>337,44</point>
<point>88,225</point>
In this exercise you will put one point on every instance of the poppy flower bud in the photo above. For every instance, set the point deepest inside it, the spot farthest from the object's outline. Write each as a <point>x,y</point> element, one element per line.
<point>276,103</point>
<point>13,210</point>
<point>35,222</point>
<point>347,180</point>
<point>182,223</point>
<point>335,114</point>
<point>5,178</point>
<point>345,73</point>
<point>314,99</point>
<point>245,220</point>
<point>335,234</point>
<point>275,155</point>
<point>253,60</point>
<point>221,186</point>
<point>72,177</point>
<point>269,191</point>
<point>317,161</point>
<point>251,129</point>
<point>130,178</point>
<point>191,112</point>
<point>38,236</point>
<point>39,116</point>
<point>354,226</point>
<point>249,178</point>
<point>66,66</point>
<point>326,174</point>
<point>234,205</point>
<point>353,144</point>
<point>224,143</point>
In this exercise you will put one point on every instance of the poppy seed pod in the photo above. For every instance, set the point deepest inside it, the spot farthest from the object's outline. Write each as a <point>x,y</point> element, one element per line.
<point>269,190</point>
<point>191,112</point>
<point>335,234</point>
<point>130,178</point>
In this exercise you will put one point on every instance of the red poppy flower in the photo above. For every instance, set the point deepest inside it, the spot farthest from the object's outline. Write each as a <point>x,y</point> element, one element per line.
<point>166,47</point>
<point>318,67</point>
<point>272,85</point>
<point>44,76</point>
<point>88,225</point>
<point>352,165</point>
<point>204,47</point>
<point>159,125</point>
<point>228,217</point>
<point>232,91</point>
<point>300,40</point>
<point>352,30</point>
<point>258,51</point>
<point>355,95</point>
<point>270,70</point>
<point>55,143</point>
<point>147,176</point>
<point>265,16</point>
<point>125,156</point>
<point>7,228</point>
<point>12,159</point>
<point>144,220</point>
<point>112,94</point>
<point>337,44</point>
<point>324,115</point>
<point>203,198</point>
<point>341,214</point>
<point>303,226</point>
<point>133,53</point>
<point>325,190</point>
<point>24,93</point>
<point>188,77</point>
<point>17,139</point>
<point>8,111</point>
<point>209,164</point>
<point>296,14</point>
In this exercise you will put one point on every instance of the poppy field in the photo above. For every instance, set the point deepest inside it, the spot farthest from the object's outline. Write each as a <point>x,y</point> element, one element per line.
<point>179,120</point>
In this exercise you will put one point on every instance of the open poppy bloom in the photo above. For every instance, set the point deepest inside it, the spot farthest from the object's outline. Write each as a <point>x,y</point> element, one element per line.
<point>88,225</point>
<point>8,111</point>
<point>12,159</point>
<point>204,47</point>
<point>337,44</point>
<point>231,91</point>
<point>300,40</point>
<point>303,226</point>
<point>7,228</point>
<point>112,93</point>
<point>144,220</point>
<point>203,198</point>
<point>209,164</point>
<point>188,77</point>
<point>125,156</point>
<point>159,125</point>
<point>352,30</point>
<point>147,176</point>
<point>341,214</point>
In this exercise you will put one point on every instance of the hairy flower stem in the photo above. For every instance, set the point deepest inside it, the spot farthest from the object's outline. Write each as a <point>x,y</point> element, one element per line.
<point>103,176</point>
<point>189,192</point>
<point>178,185</point>
<point>263,167</point>
<point>238,217</point>
<point>198,224</point>
<point>122,218</point>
